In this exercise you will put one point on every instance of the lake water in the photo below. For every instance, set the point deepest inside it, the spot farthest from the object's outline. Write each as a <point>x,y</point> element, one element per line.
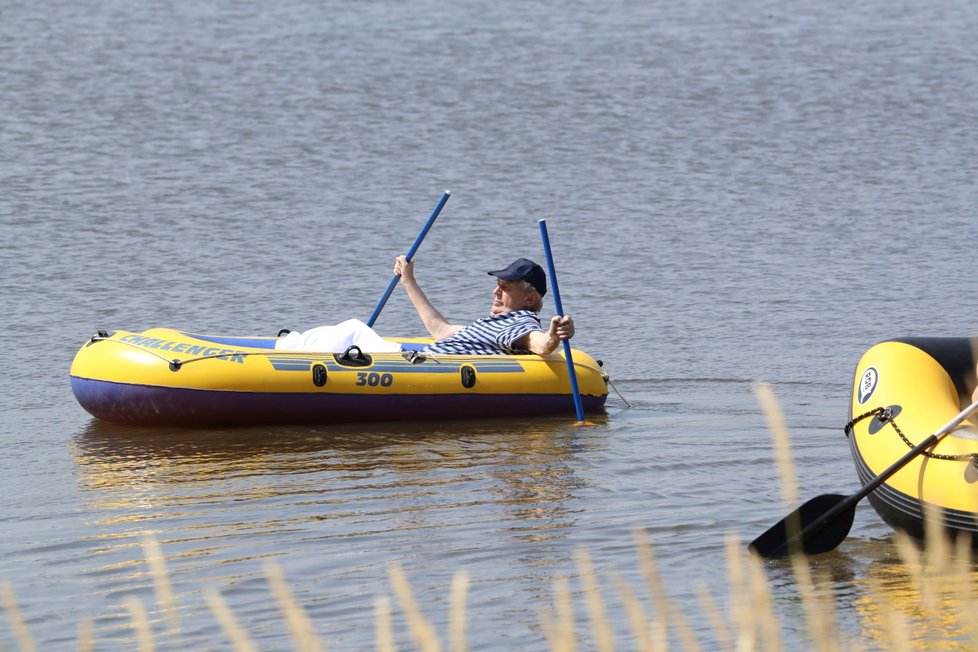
<point>734,192</point>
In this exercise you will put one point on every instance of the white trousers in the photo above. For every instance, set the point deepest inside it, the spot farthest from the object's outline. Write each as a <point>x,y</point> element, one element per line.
<point>337,339</point>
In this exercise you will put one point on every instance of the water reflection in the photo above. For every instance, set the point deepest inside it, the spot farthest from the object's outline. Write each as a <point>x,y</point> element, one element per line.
<point>869,584</point>
<point>337,503</point>
<point>363,480</point>
<point>113,455</point>
<point>937,608</point>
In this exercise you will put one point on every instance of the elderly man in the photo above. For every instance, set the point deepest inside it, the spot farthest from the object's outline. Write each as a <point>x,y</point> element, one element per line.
<point>512,325</point>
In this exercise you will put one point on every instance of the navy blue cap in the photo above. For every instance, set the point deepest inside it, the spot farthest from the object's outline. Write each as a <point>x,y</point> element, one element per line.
<point>523,269</point>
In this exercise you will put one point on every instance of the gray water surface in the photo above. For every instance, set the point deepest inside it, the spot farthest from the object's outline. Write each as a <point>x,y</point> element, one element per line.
<point>733,192</point>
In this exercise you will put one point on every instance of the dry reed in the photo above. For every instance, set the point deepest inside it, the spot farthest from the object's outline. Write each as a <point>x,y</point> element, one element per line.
<point>941,580</point>
<point>457,619</point>
<point>301,629</point>
<point>382,629</point>
<point>12,607</point>
<point>421,630</point>
<point>161,583</point>
<point>558,625</point>
<point>140,624</point>
<point>225,617</point>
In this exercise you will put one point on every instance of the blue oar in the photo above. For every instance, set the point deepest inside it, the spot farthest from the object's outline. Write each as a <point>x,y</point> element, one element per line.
<point>410,254</point>
<point>560,312</point>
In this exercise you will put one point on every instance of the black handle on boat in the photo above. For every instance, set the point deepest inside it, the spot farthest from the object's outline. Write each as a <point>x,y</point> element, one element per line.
<point>410,254</point>
<point>578,406</point>
<point>823,522</point>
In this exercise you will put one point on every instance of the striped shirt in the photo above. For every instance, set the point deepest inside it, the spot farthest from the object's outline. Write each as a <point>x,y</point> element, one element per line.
<point>490,335</point>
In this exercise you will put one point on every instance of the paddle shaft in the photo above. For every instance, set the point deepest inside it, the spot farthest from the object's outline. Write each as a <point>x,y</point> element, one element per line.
<point>869,487</point>
<point>578,405</point>
<point>410,254</point>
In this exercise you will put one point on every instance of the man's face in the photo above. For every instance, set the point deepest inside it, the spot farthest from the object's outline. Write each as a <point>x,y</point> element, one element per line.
<point>509,296</point>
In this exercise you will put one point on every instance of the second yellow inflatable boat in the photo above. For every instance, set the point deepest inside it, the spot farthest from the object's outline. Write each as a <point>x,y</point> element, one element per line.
<point>903,391</point>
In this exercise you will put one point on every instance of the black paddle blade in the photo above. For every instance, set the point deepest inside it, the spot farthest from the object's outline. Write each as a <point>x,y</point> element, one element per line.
<point>807,529</point>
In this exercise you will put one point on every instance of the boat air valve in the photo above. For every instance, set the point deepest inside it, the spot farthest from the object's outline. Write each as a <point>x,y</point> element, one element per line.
<point>319,375</point>
<point>468,376</point>
<point>175,365</point>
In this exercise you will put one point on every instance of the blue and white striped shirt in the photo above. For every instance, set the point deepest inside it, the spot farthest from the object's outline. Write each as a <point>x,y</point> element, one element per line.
<point>490,335</point>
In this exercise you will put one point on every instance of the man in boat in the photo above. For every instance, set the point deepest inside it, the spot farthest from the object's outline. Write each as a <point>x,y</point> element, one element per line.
<point>513,325</point>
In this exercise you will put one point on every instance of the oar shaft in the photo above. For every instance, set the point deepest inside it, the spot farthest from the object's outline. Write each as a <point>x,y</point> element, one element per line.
<point>840,508</point>
<point>427,225</point>
<point>575,390</point>
<point>578,405</point>
<point>915,451</point>
<point>410,254</point>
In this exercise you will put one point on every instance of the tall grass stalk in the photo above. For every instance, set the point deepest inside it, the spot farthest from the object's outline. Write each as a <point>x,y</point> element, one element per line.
<point>421,630</point>
<point>12,607</point>
<point>457,615</point>
<point>161,583</point>
<point>225,617</point>
<point>86,635</point>
<point>140,624</point>
<point>301,629</point>
<point>382,629</point>
<point>637,618</point>
<point>604,640</point>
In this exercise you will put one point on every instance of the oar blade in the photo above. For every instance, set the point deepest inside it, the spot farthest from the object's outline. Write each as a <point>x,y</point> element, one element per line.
<point>798,532</point>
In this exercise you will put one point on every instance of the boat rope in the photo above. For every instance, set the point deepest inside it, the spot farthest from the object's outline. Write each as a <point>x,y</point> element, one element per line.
<point>882,413</point>
<point>885,415</point>
<point>176,363</point>
<point>107,338</point>
<point>627,404</point>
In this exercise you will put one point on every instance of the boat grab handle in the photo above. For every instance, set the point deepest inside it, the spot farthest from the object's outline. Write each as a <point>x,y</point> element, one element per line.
<point>353,357</point>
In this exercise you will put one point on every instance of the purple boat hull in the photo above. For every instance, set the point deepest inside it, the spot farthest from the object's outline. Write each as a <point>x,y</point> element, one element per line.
<point>143,404</point>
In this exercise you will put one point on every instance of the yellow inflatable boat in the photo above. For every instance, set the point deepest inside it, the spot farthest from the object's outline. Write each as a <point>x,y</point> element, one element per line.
<point>904,390</point>
<point>167,376</point>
